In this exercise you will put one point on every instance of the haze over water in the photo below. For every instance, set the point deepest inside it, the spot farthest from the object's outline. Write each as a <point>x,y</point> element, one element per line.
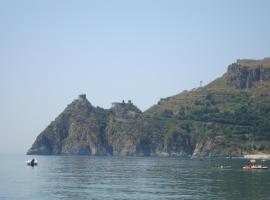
<point>151,178</point>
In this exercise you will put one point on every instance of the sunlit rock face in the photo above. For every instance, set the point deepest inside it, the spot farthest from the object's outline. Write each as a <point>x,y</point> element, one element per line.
<point>245,74</point>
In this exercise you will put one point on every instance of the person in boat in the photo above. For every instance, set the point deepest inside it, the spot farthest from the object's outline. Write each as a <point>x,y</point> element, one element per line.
<point>32,163</point>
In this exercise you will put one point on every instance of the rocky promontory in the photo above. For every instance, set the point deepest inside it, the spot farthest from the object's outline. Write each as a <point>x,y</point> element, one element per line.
<point>228,117</point>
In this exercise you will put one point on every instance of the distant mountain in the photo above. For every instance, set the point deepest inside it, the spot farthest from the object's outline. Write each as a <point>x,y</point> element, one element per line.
<point>228,117</point>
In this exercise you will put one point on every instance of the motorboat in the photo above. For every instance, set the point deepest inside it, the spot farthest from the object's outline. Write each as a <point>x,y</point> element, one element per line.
<point>252,165</point>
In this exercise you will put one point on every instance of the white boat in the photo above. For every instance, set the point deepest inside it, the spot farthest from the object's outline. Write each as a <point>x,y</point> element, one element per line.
<point>252,165</point>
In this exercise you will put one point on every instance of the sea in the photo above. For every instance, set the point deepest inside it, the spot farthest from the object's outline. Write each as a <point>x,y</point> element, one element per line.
<point>130,178</point>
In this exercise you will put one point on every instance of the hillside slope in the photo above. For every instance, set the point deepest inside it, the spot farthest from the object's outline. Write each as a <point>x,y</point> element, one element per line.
<point>229,116</point>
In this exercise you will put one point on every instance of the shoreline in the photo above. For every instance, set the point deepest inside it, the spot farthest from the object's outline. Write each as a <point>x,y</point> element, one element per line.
<point>257,156</point>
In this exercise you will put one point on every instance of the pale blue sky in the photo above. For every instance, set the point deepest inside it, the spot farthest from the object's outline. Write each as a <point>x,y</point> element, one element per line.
<point>51,51</point>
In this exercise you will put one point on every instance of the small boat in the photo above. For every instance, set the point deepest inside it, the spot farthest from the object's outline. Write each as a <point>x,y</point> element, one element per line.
<point>224,167</point>
<point>32,162</point>
<point>252,165</point>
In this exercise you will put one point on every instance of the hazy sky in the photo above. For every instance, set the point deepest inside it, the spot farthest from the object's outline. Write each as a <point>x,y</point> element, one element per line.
<point>51,51</point>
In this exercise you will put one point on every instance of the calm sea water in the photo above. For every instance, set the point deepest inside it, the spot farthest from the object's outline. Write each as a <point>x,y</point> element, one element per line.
<point>151,178</point>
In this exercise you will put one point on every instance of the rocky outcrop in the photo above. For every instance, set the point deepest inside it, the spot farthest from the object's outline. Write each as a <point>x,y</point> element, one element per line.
<point>82,129</point>
<point>125,110</point>
<point>78,130</point>
<point>245,74</point>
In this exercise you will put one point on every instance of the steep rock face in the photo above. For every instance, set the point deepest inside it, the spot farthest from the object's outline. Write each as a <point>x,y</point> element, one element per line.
<point>245,74</point>
<point>78,130</point>
<point>123,128</point>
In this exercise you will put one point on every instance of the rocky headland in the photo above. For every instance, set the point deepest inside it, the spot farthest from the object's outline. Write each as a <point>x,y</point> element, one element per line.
<point>228,117</point>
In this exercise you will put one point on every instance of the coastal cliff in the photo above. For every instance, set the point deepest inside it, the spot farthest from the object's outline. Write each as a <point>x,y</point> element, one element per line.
<point>228,117</point>
<point>246,74</point>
